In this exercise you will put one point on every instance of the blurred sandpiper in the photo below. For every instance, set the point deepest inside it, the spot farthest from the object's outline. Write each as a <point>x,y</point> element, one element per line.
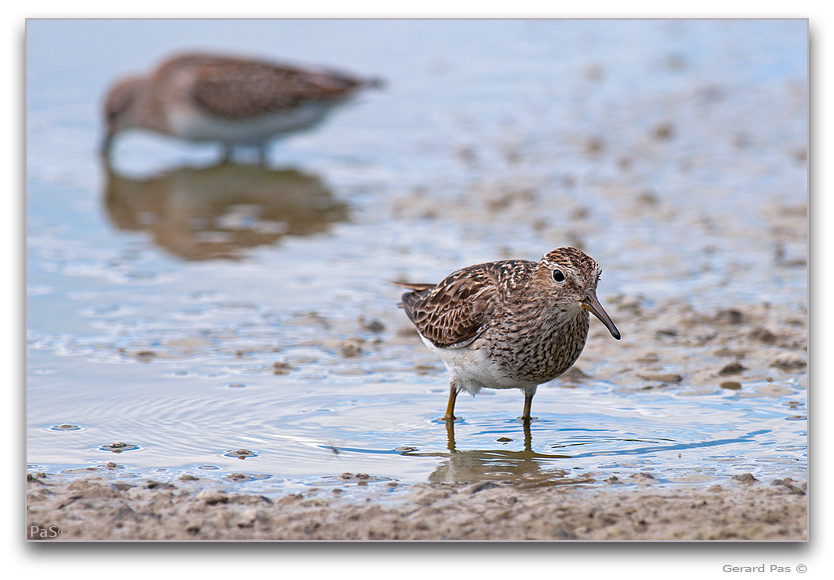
<point>231,100</point>
<point>509,324</point>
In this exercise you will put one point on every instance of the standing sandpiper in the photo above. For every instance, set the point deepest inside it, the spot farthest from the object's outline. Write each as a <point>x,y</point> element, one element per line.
<point>509,324</point>
<point>232,100</point>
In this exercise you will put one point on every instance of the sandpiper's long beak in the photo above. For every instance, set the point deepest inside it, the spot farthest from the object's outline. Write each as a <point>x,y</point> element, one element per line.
<point>592,305</point>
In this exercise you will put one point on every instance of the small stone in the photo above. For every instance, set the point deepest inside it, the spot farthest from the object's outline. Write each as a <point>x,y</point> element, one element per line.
<point>730,315</point>
<point>788,483</point>
<point>789,361</point>
<point>662,377</point>
<point>631,304</point>
<point>159,485</point>
<point>247,518</point>
<point>481,485</point>
<point>648,198</point>
<point>280,368</point>
<point>145,356</point>
<point>763,335</point>
<point>212,497</point>
<point>732,368</point>
<point>663,131</point>
<point>594,146</point>
<point>745,478</point>
<point>350,347</point>
<point>732,385</point>
<point>372,325</point>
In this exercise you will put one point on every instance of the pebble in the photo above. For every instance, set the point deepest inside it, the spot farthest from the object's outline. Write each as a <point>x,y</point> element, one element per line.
<point>212,497</point>
<point>280,368</point>
<point>372,325</point>
<point>662,377</point>
<point>788,483</point>
<point>789,360</point>
<point>763,335</point>
<point>732,368</point>
<point>481,485</point>
<point>730,315</point>
<point>350,347</point>
<point>663,131</point>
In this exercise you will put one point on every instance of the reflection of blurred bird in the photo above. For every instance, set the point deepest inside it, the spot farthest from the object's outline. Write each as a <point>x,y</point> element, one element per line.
<point>510,324</point>
<point>235,101</point>
<point>216,212</point>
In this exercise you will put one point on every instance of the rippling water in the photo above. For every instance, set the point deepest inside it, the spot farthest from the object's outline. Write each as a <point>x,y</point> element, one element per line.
<point>224,318</point>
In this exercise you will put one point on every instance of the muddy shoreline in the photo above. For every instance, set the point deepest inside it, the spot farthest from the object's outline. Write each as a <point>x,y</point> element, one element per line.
<point>95,508</point>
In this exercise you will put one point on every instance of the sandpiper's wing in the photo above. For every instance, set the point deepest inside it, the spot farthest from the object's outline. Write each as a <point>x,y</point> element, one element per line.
<point>456,311</point>
<point>238,88</point>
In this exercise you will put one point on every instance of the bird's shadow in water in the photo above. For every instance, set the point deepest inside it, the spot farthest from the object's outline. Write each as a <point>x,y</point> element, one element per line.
<point>217,212</point>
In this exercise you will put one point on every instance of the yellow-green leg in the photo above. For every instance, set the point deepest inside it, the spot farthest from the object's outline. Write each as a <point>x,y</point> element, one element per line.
<point>450,406</point>
<point>528,403</point>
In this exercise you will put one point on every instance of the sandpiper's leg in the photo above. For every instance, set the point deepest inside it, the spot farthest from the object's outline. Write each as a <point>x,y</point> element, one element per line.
<point>528,402</point>
<point>450,406</point>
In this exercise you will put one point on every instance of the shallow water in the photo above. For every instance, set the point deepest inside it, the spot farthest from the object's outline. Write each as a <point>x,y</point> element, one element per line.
<point>193,310</point>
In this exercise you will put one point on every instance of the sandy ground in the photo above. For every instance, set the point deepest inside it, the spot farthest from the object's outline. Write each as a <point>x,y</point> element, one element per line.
<point>95,508</point>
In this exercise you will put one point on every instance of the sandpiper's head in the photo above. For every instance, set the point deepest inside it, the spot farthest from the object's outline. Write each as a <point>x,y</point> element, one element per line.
<point>119,109</point>
<point>571,276</point>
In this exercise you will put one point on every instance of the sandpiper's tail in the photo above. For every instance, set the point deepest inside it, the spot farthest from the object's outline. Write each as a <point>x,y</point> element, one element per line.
<point>415,287</point>
<point>410,295</point>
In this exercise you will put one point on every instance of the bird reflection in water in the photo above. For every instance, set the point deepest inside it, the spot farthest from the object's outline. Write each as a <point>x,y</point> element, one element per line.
<point>523,468</point>
<point>217,212</point>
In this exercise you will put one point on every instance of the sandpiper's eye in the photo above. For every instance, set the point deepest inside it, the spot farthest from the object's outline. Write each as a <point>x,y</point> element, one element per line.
<point>558,276</point>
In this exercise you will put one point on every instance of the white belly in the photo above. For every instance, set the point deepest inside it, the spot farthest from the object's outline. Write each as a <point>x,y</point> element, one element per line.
<point>190,123</point>
<point>472,370</point>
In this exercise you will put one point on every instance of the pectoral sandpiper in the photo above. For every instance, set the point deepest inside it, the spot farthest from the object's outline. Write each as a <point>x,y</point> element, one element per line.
<point>509,324</point>
<point>231,100</point>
